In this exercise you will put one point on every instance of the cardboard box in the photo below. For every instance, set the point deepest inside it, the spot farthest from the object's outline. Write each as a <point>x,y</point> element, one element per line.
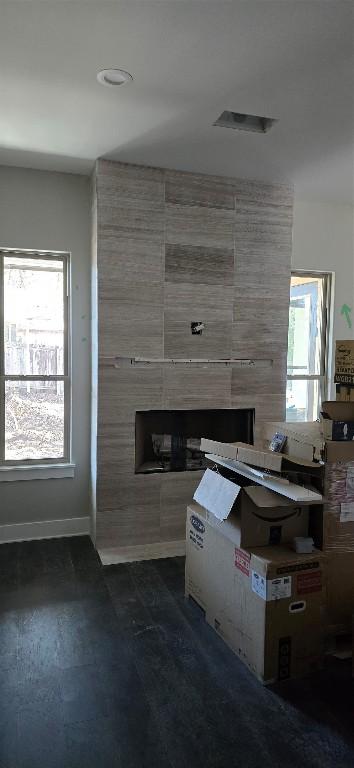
<point>256,457</point>
<point>337,420</point>
<point>340,586</point>
<point>266,603</point>
<point>344,363</point>
<point>253,516</point>
<point>344,394</point>
<point>304,439</point>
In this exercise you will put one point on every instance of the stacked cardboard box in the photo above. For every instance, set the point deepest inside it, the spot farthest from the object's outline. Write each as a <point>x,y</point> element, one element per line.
<point>338,519</point>
<point>262,597</point>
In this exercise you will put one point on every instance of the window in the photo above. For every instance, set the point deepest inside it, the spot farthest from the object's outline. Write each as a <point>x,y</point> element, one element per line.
<point>34,358</point>
<point>307,345</point>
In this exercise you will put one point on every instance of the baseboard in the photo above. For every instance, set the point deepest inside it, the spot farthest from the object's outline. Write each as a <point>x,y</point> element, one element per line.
<point>47,529</point>
<point>115,555</point>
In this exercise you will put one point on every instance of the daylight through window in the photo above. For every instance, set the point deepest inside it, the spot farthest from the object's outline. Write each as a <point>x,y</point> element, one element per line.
<point>307,345</point>
<point>34,361</point>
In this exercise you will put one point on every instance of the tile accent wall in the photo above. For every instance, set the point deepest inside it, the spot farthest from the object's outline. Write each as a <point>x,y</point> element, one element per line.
<point>173,248</point>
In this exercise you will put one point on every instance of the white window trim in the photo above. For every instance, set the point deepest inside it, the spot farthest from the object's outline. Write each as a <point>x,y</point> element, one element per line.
<point>14,473</point>
<point>323,378</point>
<point>42,469</point>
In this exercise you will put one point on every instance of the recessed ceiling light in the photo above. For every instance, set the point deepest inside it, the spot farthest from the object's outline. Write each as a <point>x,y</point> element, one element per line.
<point>114,77</point>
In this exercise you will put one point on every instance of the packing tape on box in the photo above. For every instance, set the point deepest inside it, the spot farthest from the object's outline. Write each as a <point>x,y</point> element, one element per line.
<point>338,510</point>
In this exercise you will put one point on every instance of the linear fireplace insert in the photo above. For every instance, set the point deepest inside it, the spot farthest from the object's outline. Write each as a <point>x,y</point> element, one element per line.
<point>169,441</point>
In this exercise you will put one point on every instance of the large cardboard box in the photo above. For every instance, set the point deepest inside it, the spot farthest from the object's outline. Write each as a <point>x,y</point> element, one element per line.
<point>304,440</point>
<point>266,603</point>
<point>253,516</point>
<point>344,363</point>
<point>340,598</point>
<point>337,420</point>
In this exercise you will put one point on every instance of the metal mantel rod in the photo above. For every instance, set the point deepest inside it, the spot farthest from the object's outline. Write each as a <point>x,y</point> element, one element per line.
<point>198,362</point>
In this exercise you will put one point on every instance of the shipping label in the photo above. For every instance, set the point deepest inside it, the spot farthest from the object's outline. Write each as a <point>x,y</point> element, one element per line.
<point>309,582</point>
<point>259,585</point>
<point>242,561</point>
<point>271,589</point>
<point>347,512</point>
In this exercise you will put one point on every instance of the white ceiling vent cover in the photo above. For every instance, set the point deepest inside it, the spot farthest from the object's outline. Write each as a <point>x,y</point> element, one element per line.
<point>242,122</point>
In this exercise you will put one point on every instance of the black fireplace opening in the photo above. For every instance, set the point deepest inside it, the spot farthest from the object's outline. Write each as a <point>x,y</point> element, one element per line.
<point>169,441</point>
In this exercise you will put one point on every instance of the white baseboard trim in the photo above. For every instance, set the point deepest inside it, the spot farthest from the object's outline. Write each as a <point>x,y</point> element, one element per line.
<point>47,529</point>
<point>115,555</point>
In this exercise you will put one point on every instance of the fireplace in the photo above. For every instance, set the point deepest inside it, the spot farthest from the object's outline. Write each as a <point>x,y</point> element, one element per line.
<point>169,441</point>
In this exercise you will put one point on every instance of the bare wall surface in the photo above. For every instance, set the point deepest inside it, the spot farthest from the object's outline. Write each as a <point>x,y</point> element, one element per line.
<point>50,211</point>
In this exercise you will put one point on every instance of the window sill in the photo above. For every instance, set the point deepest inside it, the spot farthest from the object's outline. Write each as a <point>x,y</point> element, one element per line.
<point>36,472</point>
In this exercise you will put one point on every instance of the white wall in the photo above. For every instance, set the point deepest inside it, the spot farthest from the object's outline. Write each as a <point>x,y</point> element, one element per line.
<point>323,240</point>
<point>51,211</point>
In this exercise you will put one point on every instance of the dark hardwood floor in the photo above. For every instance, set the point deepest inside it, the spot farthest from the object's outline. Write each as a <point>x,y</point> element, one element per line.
<point>107,667</point>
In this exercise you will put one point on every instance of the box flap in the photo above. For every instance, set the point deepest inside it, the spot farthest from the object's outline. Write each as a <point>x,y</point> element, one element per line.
<point>338,410</point>
<point>264,498</point>
<point>216,494</point>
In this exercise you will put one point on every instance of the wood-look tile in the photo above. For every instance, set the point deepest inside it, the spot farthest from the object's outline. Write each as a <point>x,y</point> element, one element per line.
<point>131,222</point>
<point>193,189</point>
<point>185,387</point>
<point>177,489</point>
<point>198,297</point>
<point>130,271</point>
<point>194,225</point>
<point>132,515</point>
<point>130,330</point>
<point>253,339</point>
<point>116,449</point>
<point>213,343</point>
<point>253,191</point>
<point>198,264</point>
<point>124,184</point>
<point>261,309</point>
<point>122,391</point>
<point>260,380</point>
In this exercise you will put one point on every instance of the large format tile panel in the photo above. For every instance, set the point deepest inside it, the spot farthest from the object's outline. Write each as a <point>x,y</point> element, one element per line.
<point>199,264</point>
<point>177,489</point>
<point>202,191</point>
<point>130,330</point>
<point>211,227</point>
<point>189,387</point>
<point>213,343</point>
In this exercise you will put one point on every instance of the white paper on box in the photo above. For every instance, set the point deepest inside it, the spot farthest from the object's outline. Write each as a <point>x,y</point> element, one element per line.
<point>347,512</point>
<point>273,589</point>
<point>259,585</point>
<point>279,588</point>
<point>216,494</point>
<point>350,480</point>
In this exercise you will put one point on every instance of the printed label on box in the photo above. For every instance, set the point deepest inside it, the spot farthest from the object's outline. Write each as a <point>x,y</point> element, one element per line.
<point>259,585</point>
<point>196,532</point>
<point>279,588</point>
<point>350,480</point>
<point>273,589</point>
<point>347,512</point>
<point>242,561</point>
<point>299,567</point>
<point>309,582</point>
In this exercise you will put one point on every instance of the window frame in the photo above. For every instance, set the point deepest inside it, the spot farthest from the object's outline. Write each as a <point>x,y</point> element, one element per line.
<point>65,377</point>
<point>325,363</point>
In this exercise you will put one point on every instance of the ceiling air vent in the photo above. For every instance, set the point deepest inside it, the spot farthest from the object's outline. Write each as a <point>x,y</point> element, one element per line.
<point>245,122</point>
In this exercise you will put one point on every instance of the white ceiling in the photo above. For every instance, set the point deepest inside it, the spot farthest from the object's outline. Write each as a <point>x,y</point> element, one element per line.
<point>190,59</point>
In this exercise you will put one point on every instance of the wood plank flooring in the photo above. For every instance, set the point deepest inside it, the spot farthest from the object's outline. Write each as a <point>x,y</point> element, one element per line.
<point>107,667</point>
